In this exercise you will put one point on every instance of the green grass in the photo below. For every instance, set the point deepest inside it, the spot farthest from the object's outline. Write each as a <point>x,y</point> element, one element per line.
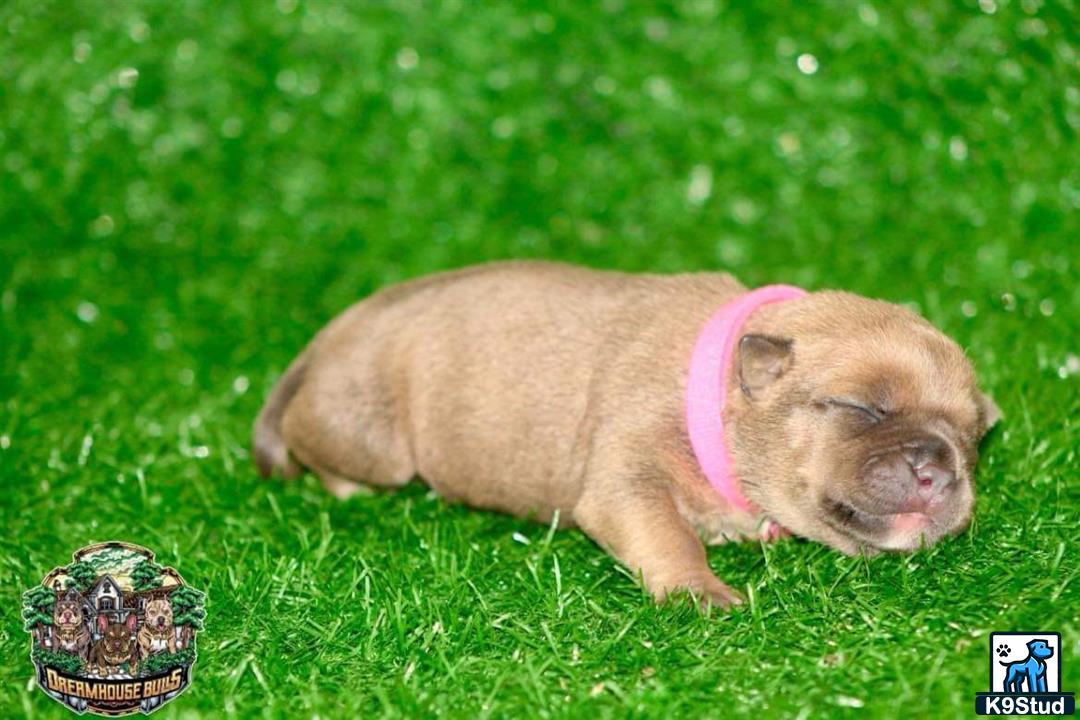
<point>171,240</point>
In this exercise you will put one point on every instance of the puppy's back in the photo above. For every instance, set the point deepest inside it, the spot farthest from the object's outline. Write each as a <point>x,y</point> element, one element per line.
<point>477,380</point>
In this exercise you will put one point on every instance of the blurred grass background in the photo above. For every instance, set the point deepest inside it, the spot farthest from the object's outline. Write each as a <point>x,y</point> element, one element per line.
<point>189,191</point>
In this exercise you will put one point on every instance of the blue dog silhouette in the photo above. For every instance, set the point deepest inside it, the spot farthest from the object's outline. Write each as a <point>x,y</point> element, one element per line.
<point>1031,669</point>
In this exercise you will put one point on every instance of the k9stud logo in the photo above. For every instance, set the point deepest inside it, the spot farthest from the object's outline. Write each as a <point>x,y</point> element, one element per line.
<point>113,632</point>
<point>1025,676</point>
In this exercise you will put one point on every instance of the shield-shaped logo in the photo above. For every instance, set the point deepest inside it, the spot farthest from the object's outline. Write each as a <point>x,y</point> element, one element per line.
<point>113,633</point>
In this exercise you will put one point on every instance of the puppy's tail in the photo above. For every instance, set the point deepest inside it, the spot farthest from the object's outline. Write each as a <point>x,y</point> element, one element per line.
<point>268,445</point>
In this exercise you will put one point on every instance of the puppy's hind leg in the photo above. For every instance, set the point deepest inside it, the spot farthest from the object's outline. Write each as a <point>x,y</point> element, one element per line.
<point>347,440</point>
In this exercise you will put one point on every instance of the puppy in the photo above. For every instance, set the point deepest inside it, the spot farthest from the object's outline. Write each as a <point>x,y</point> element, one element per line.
<point>156,634</point>
<point>113,648</point>
<point>651,411</point>
<point>70,632</point>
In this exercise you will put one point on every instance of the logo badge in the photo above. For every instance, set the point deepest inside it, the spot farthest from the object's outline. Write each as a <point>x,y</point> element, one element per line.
<point>1025,676</point>
<point>113,633</point>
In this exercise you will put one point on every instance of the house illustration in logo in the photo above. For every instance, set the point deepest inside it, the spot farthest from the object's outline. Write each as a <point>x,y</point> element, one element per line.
<point>107,597</point>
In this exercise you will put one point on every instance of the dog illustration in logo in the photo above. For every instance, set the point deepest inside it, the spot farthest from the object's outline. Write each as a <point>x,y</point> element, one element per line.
<point>114,648</point>
<point>1031,669</point>
<point>71,634</point>
<point>156,635</point>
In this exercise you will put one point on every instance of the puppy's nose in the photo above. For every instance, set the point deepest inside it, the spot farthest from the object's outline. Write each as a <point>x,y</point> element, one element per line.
<point>928,448</point>
<point>931,480</point>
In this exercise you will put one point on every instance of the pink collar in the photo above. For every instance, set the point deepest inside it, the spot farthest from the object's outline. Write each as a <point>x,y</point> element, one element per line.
<point>706,388</point>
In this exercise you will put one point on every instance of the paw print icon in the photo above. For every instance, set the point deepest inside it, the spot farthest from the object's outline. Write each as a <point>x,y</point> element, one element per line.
<point>1003,650</point>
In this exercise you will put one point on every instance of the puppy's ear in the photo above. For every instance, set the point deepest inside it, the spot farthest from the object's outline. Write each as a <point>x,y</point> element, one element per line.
<point>130,622</point>
<point>762,359</point>
<point>989,412</point>
<point>102,623</point>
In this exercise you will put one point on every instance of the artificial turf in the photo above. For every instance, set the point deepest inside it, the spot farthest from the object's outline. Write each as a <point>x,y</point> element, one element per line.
<point>189,191</point>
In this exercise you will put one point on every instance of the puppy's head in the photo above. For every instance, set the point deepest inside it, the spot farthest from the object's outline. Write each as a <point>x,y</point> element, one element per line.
<point>159,614</point>
<point>856,423</point>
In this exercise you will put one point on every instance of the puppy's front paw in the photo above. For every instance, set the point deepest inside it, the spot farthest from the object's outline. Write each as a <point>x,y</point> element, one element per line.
<point>706,589</point>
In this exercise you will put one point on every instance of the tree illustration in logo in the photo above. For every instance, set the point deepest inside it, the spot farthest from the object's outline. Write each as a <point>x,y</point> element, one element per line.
<point>81,575</point>
<point>146,576</point>
<point>188,612</point>
<point>38,604</point>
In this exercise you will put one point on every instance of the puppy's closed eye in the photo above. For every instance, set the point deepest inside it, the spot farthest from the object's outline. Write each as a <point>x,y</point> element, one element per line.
<point>864,411</point>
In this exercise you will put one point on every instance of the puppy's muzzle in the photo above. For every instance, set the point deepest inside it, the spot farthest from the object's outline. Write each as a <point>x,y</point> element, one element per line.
<point>928,473</point>
<point>916,478</point>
